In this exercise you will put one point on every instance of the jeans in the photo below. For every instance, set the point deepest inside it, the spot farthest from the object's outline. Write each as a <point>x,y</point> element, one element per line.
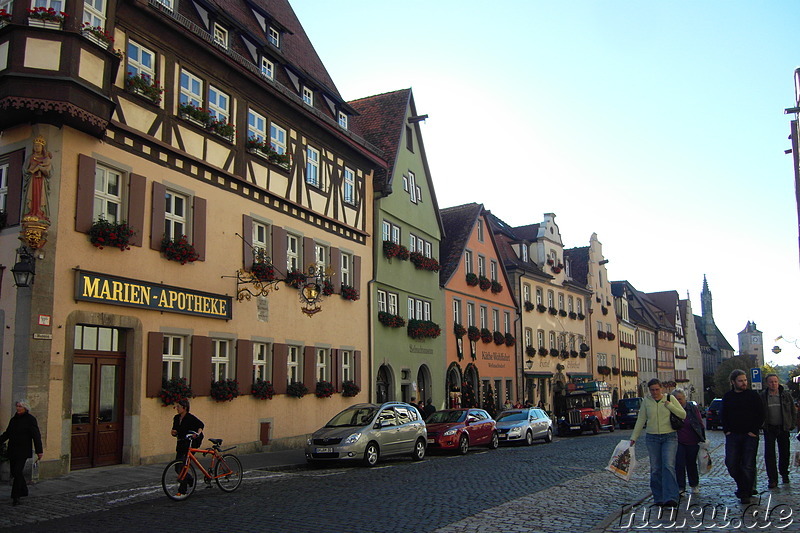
<point>662,449</point>
<point>740,459</point>
<point>773,434</point>
<point>686,465</point>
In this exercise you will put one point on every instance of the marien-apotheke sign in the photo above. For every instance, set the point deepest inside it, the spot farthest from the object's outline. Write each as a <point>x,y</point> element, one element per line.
<point>94,287</point>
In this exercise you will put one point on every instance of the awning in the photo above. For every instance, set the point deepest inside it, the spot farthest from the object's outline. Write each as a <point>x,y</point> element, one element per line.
<point>534,374</point>
<point>579,375</point>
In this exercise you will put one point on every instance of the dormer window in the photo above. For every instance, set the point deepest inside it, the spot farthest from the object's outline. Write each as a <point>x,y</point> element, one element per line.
<point>220,36</point>
<point>524,249</point>
<point>342,120</point>
<point>274,37</point>
<point>308,96</point>
<point>267,68</point>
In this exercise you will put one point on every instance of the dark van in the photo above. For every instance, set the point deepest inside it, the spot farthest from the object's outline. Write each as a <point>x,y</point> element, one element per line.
<point>628,412</point>
<point>713,414</point>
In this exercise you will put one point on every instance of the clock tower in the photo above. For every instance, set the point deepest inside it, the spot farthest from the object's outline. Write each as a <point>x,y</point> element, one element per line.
<point>751,342</point>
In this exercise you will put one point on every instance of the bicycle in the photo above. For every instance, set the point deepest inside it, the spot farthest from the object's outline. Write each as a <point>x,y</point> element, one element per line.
<point>180,478</point>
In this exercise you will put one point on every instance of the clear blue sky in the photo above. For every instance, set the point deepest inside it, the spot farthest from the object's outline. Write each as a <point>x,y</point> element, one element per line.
<point>657,125</point>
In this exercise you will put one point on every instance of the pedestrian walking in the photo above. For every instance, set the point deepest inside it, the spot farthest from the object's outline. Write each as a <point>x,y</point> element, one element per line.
<point>779,420</point>
<point>22,435</point>
<point>183,424</point>
<point>429,409</point>
<point>689,438</point>
<point>661,440</point>
<point>742,418</point>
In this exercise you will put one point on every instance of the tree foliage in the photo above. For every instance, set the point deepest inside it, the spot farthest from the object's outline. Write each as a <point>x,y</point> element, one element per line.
<point>722,383</point>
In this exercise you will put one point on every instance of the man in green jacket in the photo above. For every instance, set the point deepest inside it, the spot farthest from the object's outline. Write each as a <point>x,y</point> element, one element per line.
<point>779,417</point>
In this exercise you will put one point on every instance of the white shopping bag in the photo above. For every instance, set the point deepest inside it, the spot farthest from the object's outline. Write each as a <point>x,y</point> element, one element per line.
<point>623,460</point>
<point>703,459</point>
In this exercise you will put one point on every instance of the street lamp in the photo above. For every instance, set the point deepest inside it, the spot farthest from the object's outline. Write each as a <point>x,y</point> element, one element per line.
<point>25,268</point>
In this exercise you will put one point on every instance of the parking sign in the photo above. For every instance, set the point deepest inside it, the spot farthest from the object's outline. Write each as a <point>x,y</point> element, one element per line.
<point>755,378</point>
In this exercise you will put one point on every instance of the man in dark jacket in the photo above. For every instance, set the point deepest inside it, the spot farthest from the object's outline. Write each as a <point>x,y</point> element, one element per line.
<point>23,430</point>
<point>183,424</point>
<point>779,417</point>
<point>742,418</point>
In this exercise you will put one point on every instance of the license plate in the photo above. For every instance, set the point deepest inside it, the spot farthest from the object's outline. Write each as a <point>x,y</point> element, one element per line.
<point>574,427</point>
<point>431,441</point>
<point>324,450</point>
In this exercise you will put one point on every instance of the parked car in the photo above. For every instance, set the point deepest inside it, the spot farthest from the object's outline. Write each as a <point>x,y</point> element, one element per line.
<point>367,431</point>
<point>524,425</point>
<point>459,429</point>
<point>713,420</point>
<point>628,412</point>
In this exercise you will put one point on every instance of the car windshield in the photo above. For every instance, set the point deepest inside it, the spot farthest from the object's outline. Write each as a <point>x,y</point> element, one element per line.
<point>580,402</point>
<point>628,403</point>
<point>355,417</point>
<point>512,416</point>
<point>715,404</point>
<point>446,417</point>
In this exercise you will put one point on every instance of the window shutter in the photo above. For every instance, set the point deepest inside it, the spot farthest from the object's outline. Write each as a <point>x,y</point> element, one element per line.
<point>309,255</point>
<point>137,185</point>
<point>357,367</point>
<point>279,251</point>
<point>244,365</point>
<point>199,227</point>
<point>157,222</point>
<point>84,202</point>
<point>336,371</point>
<point>201,366</point>
<point>336,267</point>
<point>357,273</point>
<point>155,349</point>
<point>14,200</point>
<point>280,353</point>
<point>309,365</point>
<point>247,242</point>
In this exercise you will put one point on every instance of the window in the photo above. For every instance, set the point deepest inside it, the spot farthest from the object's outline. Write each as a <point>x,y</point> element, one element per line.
<point>191,89</point>
<point>382,301</point>
<point>141,61</point>
<point>495,320</point>
<point>274,37</point>
<point>493,270</point>
<point>481,266</point>
<point>94,11</point>
<point>411,308</point>
<point>166,3</point>
<point>562,341</point>
<point>347,365</point>
<point>456,311</point>
<point>428,249</point>
<point>528,337</point>
<point>550,299</point>
<point>107,194</point>
<point>218,104</point>
<point>507,321</point>
<point>393,304</point>
<point>409,139</point>
<point>347,260</point>
<point>321,257</point>
<point>57,5</point>
<point>386,229</point>
<point>395,234</point>
<point>3,185</point>
<point>172,357</point>
<point>321,366</point>
<point>524,248</point>
<point>260,237</point>
<point>308,96</point>
<point>256,126</point>
<point>220,36</point>
<point>468,261</point>
<point>312,166</point>
<point>260,361</point>
<point>277,138</point>
<point>293,365</point>
<point>412,242</point>
<point>539,297</point>
<point>412,187</point>
<point>292,253</point>
<point>420,245</point>
<point>342,120</point>
<point>560,301</point>
<point>526,293</point>
<point>426,309</point>
<point>570,304</point>
<point>470,314</point>
<point>220,359</point>
<point>480,230</point>
<point>484,318</point>
<point>349,186</point>
<point>580,306</point>
<point>267,68</point>
<point>419,314</point>
<point>405,183</point>
<point>175,215</point>
<point>540,338</point>
<point>552,340</point>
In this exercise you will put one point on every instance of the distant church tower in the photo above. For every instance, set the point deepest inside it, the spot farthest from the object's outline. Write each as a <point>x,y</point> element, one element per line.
<point>709,327</point>
<point>751,342</point>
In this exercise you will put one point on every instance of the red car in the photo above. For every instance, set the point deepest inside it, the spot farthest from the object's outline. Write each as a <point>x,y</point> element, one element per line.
<point>458,429</point>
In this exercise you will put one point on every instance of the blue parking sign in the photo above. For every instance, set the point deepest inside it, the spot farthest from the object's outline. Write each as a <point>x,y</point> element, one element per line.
<point>755,378</point>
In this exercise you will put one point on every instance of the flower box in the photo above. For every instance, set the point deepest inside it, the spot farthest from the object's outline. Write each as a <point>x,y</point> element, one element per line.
<point>224,390</point>
<point>296,389</point>
<point>499,338</point>
<point>390,320</point>
<point>459,330</point>
<point>541,308</point>
<point>264,149</point>
<point>615,371</point>
<point>143,85</point>
<point>46,17</point>
<point>472,279</point>
<point>174,389</point>
<point>327,287</point>
<point>486,335</point>
<point>529,306</point>
<point>324,389</point>
<point>552,310</point>
<point>610,336</point>
<point>295,278</point>
<point>573,315</point>
<point>562,313</point>
<point>203,118</point>
<point>497,287</point>
<point>604,309</point>
<point>263,390</point>
<point>543,351</point>
<point>424,263</point>
<point>349,292</point>
<point>553,352</point>
<point>530,351</point>
<point>98,35</point>
<point>603,370</point>
<point>392,249</point>
<point>484,283</point>
<point>601,334</point>
<point>117,235</point>
<point>350,388</point>
<point>179,249</point>
<point>581,316</point>
<point>423,329</point>
<point>573,353</point>
<point>509,339</point>
<point>49,24</point>
<point>473,333</point>
<point>263,271</point>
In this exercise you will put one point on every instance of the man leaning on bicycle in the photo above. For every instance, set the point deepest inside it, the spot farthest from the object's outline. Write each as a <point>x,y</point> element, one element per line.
<point>182,424</point>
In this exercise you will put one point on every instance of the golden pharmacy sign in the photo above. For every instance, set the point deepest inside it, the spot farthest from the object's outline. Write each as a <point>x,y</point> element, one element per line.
<point>94,287</point>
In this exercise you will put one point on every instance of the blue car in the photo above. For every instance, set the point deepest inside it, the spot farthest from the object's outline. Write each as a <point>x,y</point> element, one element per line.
<point>628,412</point>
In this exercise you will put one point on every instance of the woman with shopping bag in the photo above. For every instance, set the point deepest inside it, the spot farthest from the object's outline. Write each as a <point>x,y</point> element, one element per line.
<point>689,438</point>
<point>662,441</point>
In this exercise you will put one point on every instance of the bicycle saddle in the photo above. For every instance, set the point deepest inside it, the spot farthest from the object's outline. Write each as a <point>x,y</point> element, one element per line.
<point>218,442</point>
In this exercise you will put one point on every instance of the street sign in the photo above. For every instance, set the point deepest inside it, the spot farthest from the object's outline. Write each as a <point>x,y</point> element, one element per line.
<point>755,378</point>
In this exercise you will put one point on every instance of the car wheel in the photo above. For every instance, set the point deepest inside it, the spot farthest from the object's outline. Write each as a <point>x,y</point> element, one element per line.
<point>611,429</point>
<point>419,450</point>
<point>495,442</point>
<point>371,454</point>
<point>549,437</point>
<point>528,438</point>
<point>596,428</point>
<point>463,445</point>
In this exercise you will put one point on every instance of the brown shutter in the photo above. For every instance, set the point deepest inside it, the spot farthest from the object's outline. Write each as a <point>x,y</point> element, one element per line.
<point>199,227</point>
<point>357,273</point>
<point>309,257</point>
<point>279,250</point>
<point>157,225</point>
<point>201,365</point>
<point>357,368</point>
<point>14,200</point>
<point>244,365</point>
<point>247,242</point>
<point>309,364</point>
<point>84,202</point>
<point>280,353</point>
<point>336,370</point>
<point>137,185</point>
<point>155,350</point>
<point>336,267</point>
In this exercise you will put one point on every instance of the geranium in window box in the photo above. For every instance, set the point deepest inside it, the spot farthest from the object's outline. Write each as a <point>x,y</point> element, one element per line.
<point>542,351</point>
<point>327,288</point>
<point>473,333</point>
<point>581,316</point>
<point>295,278</point>
<point>529,306</point>
<point>114,234</point>
<point>390,320</point>
<point>144,85</point>
<point>179,249</point>
<point>484,283</point>
<point>573,315</point>
<point>224,390</point>
<point>615,371</point>
<point>223,128</point>
<point>423,329</point>
<point>553,352</point>
<point>562,313</point>
<point>349,292</point>
<point>46,17</point>
<point>472,279</point>
<point>459,330</point>
<point>603,370</point>
<point>530,351</point>
<point>98,34</point>
<point>174,389</point>
<point>392,249</point>
<point>350,388</point>
<point>296,389</point>
<point>424,263</point>
<point>610,336</point>
<point>601,334</point>
<point>5,17</point>
<point>582,355</point>
<point>552,310</point>
<point>509,339</point>
<point>195,114</point>
<point>541,308</point>
<point>324,389</point>
<point>486,335</point>
<point>573,353</point>
<point>604,309</point>
<point>263,390</point>
<point>497,287</point>
<point>498,338</point>
<point>263,271</point>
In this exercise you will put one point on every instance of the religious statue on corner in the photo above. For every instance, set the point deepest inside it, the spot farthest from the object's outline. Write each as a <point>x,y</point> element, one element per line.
<point>36,218</point>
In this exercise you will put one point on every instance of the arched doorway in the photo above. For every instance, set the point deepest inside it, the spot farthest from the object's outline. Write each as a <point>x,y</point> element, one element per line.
<point>424,385</point>
<point>454,386</point>
<point>469,388</point>
<point>384,388</point>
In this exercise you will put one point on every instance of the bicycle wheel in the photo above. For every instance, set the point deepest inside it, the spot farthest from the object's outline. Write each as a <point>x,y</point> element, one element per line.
<point>175,488</point>
<point>228,473</point>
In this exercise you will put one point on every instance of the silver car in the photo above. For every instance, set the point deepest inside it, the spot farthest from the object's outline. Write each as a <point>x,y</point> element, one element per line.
<point>524,425</point>
<point>367,432</point>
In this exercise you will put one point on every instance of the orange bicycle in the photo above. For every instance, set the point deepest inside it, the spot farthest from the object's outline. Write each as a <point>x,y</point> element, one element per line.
<point>180,478</point>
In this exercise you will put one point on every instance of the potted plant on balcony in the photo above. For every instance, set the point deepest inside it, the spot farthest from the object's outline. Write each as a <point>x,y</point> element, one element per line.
<point>179,249</point>
<point>350,388</point>
<point>263,390</point>
<point>324,389</point>
<point>224,390</point>
<point>114,234</point>
<point>295,389</point>
<point>46,17</point>
<point>145,86</point>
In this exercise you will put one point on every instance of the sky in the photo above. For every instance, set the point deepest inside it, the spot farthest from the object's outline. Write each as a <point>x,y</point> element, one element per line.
<point>660,126</point>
